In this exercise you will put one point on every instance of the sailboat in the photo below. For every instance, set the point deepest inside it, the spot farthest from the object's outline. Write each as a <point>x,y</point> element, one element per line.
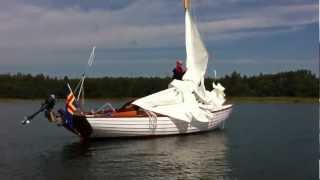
<point>185,107</point>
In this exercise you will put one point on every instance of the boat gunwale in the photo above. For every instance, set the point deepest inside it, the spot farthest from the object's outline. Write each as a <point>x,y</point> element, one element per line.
<point>225,107</point>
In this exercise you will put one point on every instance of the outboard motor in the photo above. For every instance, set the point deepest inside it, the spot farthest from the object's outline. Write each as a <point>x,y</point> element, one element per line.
<point>47,106</point>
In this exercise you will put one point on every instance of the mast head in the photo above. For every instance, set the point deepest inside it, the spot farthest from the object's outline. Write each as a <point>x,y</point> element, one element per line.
<point>186,4</point>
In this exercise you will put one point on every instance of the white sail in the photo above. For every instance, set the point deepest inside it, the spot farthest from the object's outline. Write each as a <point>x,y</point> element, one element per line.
<point>197,55</point>
<point>187,100</point>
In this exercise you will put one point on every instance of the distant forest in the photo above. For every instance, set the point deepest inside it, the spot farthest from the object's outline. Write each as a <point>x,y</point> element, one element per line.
<point>300,83</point>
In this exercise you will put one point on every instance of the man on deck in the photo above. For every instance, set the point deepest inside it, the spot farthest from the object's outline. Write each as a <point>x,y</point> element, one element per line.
<point>178,71</point>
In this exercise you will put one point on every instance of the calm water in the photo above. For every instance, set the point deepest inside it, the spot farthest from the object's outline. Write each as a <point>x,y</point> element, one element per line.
<point>261,141</point>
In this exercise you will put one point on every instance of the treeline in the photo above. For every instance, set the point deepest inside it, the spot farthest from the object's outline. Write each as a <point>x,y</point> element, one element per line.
<point>301,83</point>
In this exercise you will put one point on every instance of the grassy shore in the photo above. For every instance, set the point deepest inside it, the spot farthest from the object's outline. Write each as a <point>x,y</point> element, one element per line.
<point>272,100</point>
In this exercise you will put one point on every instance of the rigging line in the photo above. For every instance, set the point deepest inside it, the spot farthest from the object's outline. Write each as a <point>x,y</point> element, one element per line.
<point>81,87</point>
<point>152,119</point>
<point>89,64</point>
<point>78,85</point>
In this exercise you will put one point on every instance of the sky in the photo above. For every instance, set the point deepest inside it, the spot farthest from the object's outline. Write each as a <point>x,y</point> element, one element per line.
<point>146,37</point>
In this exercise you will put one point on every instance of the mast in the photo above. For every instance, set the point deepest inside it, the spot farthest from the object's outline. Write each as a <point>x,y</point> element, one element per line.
<point>186,4</point>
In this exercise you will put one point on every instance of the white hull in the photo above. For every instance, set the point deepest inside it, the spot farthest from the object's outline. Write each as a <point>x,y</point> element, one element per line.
<point>144,126</point>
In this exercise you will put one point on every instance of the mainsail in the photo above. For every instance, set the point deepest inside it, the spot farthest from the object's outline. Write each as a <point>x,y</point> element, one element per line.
<point>197,55</point>
<point>187,99</point>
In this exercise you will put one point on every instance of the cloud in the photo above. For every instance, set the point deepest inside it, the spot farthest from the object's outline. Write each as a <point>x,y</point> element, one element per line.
<point>55,33</point>
<point>33,26</point>
<point>141,24</point>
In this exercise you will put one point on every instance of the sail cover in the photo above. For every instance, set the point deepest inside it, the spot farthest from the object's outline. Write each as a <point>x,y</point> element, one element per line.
<point>187,99</point>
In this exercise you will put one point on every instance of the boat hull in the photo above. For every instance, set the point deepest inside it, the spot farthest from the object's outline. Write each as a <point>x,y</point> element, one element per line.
<point>104,127</point>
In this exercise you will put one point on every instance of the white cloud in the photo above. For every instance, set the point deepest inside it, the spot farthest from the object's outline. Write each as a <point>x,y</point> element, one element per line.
<point>27,26</point>
<point>26,29</point>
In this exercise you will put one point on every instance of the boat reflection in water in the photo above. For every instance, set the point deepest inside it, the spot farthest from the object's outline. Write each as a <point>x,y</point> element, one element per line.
<point>199,156</point>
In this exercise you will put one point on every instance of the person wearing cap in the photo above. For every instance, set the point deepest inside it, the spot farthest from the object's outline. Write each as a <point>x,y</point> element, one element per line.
<point>178,71</point>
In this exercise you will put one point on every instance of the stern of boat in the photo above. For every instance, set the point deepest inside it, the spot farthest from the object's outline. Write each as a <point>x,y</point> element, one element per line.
<point>79,126</point>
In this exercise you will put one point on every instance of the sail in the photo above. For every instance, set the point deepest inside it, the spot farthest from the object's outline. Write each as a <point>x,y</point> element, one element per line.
<point>197,55</point>
<point>187,100</point>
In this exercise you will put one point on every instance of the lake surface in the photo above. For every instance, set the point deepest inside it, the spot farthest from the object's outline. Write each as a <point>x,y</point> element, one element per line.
<point>260,141</point>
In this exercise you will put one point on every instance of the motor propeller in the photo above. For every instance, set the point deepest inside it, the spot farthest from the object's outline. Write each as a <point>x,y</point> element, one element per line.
<point>47,105</point>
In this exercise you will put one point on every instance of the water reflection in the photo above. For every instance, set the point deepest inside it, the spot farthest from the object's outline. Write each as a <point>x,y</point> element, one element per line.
<point>76,150</point>
<point>176,157</point>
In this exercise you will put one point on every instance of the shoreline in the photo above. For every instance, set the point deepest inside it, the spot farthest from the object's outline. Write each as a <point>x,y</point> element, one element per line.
<point>293,100</point>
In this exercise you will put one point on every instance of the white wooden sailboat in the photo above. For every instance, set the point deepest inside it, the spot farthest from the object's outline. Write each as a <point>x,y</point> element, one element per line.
<point>152,125</point>
<point>185,107</point>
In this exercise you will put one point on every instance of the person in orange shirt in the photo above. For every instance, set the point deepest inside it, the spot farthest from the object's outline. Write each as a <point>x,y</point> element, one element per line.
<point>178,71</point>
